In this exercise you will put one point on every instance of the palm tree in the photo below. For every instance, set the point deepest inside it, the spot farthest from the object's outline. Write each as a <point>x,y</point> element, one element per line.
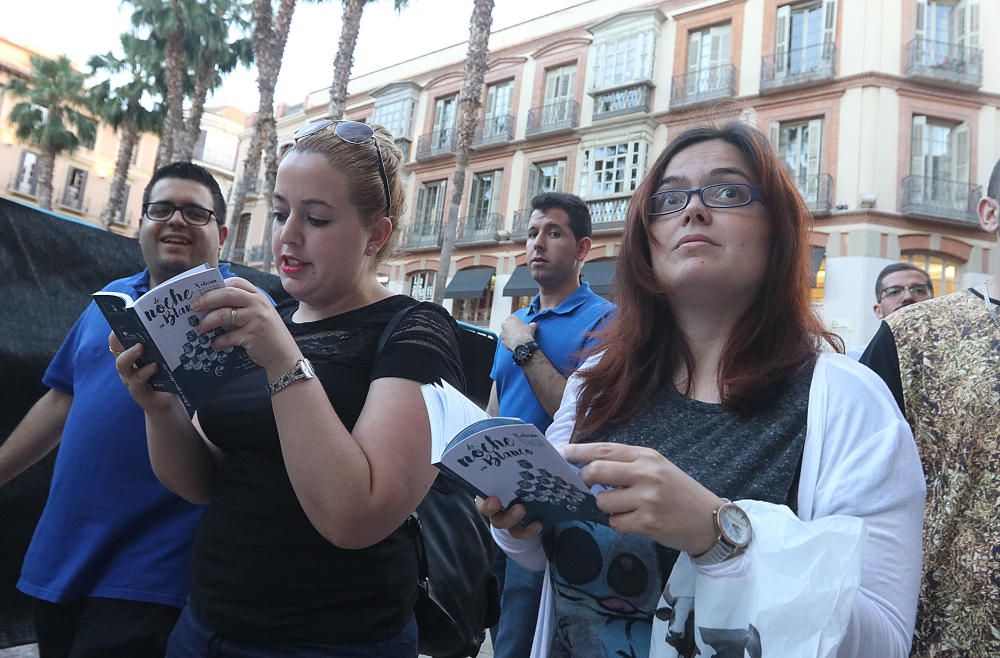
<point>122,107</point>
<point>166,24</point>
<point>469,104</point>
<point>210,55</point>
<point>344,61</point>
<point>270,35</point>
<point>53,116</point>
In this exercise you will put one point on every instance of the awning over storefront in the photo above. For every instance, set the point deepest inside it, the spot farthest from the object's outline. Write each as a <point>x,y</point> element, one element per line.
<point>818,254</point>
<point>600,274</point>
<point>469,283</point>
<point>520,284</point>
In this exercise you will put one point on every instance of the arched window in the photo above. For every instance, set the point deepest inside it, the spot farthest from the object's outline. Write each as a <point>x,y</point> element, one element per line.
<point>942,270</point>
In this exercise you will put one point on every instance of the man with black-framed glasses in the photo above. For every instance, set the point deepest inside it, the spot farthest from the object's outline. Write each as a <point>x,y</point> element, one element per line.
<point>108,566</point>
<point>899,285</point>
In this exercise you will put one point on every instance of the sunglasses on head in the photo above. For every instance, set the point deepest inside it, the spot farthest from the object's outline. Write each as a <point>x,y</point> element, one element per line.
<point>352,132</point>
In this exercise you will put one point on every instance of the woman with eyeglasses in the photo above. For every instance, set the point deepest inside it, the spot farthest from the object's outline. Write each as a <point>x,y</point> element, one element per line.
<point>717,384</point>
<point>310,466</point>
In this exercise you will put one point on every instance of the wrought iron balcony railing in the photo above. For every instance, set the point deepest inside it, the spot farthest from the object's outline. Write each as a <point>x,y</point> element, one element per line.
<point>798,66</point>
<point>560,115</point>
<point>71,198</point>
<point>494,130</point>
<point>421,235</point>
<point>482,228</point>
<point>519,228</point>
<point>255,187</point>
<point>943,62</point>
<point>817,190</point>
<point>26,186</point>
<point>608,213</point>
<point>626,100</point>
<point>438,142</point>
<point>941,199</point>
<point>711,84</point>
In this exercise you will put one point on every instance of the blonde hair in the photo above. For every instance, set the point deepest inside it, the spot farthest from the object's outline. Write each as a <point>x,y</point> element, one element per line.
<point>359,163</point>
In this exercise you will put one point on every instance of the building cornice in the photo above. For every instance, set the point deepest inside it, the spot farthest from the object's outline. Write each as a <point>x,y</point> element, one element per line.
<point>571,42</point>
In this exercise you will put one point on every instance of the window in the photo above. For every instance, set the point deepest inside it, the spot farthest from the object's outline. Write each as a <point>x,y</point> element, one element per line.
<point>485,198</point>
<point>940,149</point>
<point>804,36</point>
<point>444,122</point>
<point>800,146</point>
<point>421,285</point>
<point>430,204</point>
<point>396,116</point>
<point>612,169</point>
<point>623,60</point>
<point>818,288</point>
<point>476,310</point>
<point>558,105</point>
<point>942,270</point>
<point>944,26</point>
<point>76,184</point>
<point>546,177</point>
<point>27,173</point>
<point>121,217</point>
<point>240,241</point>
<point>519,302</point>
<point>708,54</point>
<point>496,117</point>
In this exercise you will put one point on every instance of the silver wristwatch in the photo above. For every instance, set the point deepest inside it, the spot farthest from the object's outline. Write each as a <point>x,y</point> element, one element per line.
<point>735,533</point>
<point>302,370</point>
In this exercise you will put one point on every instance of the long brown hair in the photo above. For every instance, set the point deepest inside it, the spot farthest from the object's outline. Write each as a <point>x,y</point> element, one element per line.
<point>778,334</point>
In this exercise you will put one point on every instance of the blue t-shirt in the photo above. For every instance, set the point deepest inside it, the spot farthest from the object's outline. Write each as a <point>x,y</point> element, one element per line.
<point>562,335</point>
<point>109,528</point>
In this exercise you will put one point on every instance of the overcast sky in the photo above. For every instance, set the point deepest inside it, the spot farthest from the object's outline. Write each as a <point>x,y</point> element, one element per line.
<point>81,28</point>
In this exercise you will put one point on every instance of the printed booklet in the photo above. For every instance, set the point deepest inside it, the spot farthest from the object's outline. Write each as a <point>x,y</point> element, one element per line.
<point>162,320</point>
<point>507,458</point>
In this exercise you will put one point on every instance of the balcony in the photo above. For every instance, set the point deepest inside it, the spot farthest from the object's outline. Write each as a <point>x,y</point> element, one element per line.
<point>255,188</point>
<point>817,191</point>
<point>798,67</point>
<point>554,117</point>
<point>625,100</point>
<point>936,198</point>
<point>481,228</point>
<point>945,63</point>
<point>72,199</point>
<point>436,143</point>
<point>712,84</point>
<point>608,213</point>
<point>219,158</point>
<point>25,186</point>
<point>494,130</point>
<point>519,229</point>
<point>422,235</point>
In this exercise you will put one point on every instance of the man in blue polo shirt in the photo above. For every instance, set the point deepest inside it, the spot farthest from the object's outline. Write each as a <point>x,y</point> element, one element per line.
<point>540,347</point>
<point>108,564</point>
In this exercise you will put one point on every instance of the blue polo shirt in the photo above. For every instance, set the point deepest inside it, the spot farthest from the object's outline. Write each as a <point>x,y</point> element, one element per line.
<point>562,334</point>
<point>109,528</point>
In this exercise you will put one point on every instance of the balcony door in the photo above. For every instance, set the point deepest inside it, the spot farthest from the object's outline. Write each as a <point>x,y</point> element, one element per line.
<point>800,145</point>
<point>497,111</point>
<point>484,200</point>
<point>546,177</point>
<point>559,90</point>
<point>945,28</point>
<point>940,161</point>
<point>27,173</point>
<point>708,52</point>
<point>430,207</point>
<point>444,122</point>
<point>804,36</point>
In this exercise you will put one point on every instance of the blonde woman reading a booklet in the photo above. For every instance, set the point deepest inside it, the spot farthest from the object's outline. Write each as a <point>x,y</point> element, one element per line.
<point>764,493</point>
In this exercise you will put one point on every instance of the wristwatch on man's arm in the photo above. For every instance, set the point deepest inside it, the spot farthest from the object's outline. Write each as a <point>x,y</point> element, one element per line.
<point>523,352</point>
<point>735,533</point>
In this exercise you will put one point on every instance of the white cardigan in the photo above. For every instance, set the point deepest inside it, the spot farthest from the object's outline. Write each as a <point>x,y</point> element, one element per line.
<point>858,460</point>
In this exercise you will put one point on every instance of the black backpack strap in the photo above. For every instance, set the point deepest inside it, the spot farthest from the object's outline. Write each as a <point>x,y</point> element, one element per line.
<point>391,327</point>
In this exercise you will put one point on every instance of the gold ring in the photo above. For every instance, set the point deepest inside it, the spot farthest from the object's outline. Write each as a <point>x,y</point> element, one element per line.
<point>232,322</point>
<point>117,354</point>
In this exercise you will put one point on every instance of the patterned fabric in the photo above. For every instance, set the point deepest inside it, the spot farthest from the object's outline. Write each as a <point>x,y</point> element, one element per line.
<point>949,363</point>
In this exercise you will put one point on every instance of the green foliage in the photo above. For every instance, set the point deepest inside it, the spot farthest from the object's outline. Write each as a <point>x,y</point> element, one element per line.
<point>135,99</point>
<point>54,114</point>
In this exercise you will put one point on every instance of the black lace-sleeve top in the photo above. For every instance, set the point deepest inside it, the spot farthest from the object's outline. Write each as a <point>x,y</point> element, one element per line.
<point>261,572</point>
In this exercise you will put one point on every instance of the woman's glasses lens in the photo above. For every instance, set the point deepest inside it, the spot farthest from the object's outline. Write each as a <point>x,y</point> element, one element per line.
<point>723,195</point>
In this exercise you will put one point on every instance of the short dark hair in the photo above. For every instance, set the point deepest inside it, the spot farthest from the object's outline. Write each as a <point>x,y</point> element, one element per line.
<point>192,172</point>
<point>572,205</point>
<point>993,188</point>
<point>899,267</point>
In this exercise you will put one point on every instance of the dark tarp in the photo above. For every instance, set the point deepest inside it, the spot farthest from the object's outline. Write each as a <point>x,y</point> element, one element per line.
<point>600,274</point>
<point>49,266</point>
<point>520,283</point>
<point>469,283</point>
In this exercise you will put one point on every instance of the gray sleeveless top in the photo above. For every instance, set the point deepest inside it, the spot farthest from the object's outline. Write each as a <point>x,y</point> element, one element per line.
<point>607,585</point>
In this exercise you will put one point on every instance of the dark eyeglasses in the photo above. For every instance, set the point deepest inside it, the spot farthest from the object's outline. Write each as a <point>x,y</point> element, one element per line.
<point>720,195</point>
<point>921,290</point>
<point>352,132</point>
<point>162,211</point>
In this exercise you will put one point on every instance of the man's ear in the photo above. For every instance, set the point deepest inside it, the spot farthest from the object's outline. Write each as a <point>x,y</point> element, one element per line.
<point>583,246</point>
<point>989,214</point>
<point>223,232</point>
<point>878,311</point>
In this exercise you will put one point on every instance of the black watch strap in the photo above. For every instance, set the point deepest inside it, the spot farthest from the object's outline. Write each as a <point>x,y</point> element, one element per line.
<point>523,352</point>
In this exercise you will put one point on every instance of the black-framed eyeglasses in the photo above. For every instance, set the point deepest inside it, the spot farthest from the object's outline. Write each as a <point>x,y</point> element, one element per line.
<point>162,211</point>
<point>720,195</point>
<point>917,290</point>
<point>352,132</point>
